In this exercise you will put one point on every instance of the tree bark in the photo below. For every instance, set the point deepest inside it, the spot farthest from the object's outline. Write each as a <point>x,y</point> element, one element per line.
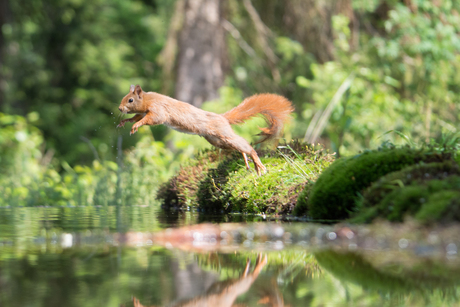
<point>201,58</point>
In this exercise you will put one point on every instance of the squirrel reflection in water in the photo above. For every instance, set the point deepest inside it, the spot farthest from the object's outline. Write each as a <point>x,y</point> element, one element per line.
<point>225,293</point>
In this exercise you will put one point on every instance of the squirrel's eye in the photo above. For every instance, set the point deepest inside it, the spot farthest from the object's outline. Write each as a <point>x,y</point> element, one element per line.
<point>130,100</point>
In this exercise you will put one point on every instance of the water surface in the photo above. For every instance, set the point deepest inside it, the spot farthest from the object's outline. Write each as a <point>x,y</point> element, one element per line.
<point>115,257</point>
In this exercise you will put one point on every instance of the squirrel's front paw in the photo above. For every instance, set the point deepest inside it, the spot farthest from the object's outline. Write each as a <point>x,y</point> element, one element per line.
<point>122,123</point>
<point>134,129</point>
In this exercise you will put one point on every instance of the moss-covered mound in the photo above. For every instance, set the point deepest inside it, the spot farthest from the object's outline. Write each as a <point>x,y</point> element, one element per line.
<point>226,186</point>
<point>274,192</point>
<point>407,191</point>
<point>181,190</point>
<point>443,206</point>
<point>421,172</point>
<point>301,207</point>
<point>213,196</point>
<point>428,201</point>
<point>334,194</point>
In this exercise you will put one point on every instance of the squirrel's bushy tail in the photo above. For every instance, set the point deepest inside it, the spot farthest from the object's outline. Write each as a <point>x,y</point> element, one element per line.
<point>275,109</point>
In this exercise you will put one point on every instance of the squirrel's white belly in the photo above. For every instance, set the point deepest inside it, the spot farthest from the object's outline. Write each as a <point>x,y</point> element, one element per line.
<point>180,129</point>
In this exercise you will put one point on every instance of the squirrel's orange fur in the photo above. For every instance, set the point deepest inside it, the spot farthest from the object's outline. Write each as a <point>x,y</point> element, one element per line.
<point>224,293</point>
<point>154,109</point>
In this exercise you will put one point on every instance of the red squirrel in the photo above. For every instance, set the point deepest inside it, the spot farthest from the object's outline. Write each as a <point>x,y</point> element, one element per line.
<point>155,109</point>
<point>224,293</point>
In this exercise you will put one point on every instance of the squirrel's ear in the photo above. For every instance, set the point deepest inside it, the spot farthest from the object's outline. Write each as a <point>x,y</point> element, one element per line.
<point>131,89</point>
<point>138,90</point>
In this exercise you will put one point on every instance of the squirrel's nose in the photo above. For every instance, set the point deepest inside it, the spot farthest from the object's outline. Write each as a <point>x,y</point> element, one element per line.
<point>119,108</point>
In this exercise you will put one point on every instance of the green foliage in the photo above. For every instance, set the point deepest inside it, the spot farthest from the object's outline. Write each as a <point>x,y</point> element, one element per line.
<point>19,144</point>
<point>389,183</point>
<point>29,179</point>
<point>405,74</point>
<point>73,61</point>
<point>67,63</point>
<point>265,194</point>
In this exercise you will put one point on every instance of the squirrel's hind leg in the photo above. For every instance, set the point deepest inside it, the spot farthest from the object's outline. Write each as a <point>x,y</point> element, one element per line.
<point>260,168</point>
<point>240,144</point>
<point>245,157</point>
<point>236,142</point>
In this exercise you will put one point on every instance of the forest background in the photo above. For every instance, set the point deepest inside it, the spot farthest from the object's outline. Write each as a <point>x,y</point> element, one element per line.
<point>353,69</point>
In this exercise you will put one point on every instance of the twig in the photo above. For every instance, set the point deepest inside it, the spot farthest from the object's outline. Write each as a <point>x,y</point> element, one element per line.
<point>261,27</point>
<point>230,28</point>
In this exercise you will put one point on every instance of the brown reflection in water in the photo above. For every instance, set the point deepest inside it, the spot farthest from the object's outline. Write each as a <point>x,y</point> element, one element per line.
<point>224,293</point>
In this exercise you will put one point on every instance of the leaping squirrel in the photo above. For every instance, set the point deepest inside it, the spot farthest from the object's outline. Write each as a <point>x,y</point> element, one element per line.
<point>155,109</point>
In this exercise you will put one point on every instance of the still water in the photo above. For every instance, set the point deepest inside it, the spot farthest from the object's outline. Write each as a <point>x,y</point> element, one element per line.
<point>131,257</point>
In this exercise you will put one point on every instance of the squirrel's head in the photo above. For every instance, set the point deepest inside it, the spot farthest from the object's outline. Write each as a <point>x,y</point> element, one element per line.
<point>133,102</point>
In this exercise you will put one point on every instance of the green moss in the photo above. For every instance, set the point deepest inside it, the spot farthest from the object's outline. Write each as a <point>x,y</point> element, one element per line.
<point>226,185</point>
<point>336,193</point>
<point>444,205</point>
<point>182,189</point>
<point>403,201</point>
<point>302,201</point>
<point>270,193</point>
<point>333,195</point>
<point>404,192</point>
<point>230,187</point>
<point>428,201</point>
<point>212,195</point>
<point>416,173</point>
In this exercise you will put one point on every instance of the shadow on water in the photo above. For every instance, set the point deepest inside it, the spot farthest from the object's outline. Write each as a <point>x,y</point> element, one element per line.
<point>104,257</point>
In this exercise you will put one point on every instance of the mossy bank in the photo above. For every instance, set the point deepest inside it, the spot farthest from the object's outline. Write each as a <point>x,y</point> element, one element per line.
<point>390,183</point>
<point>217,181</point>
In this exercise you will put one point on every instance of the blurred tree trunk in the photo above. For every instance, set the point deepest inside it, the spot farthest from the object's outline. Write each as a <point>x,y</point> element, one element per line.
<point>4,14</point>
<point>201,58</point>
<point>310,22</point>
